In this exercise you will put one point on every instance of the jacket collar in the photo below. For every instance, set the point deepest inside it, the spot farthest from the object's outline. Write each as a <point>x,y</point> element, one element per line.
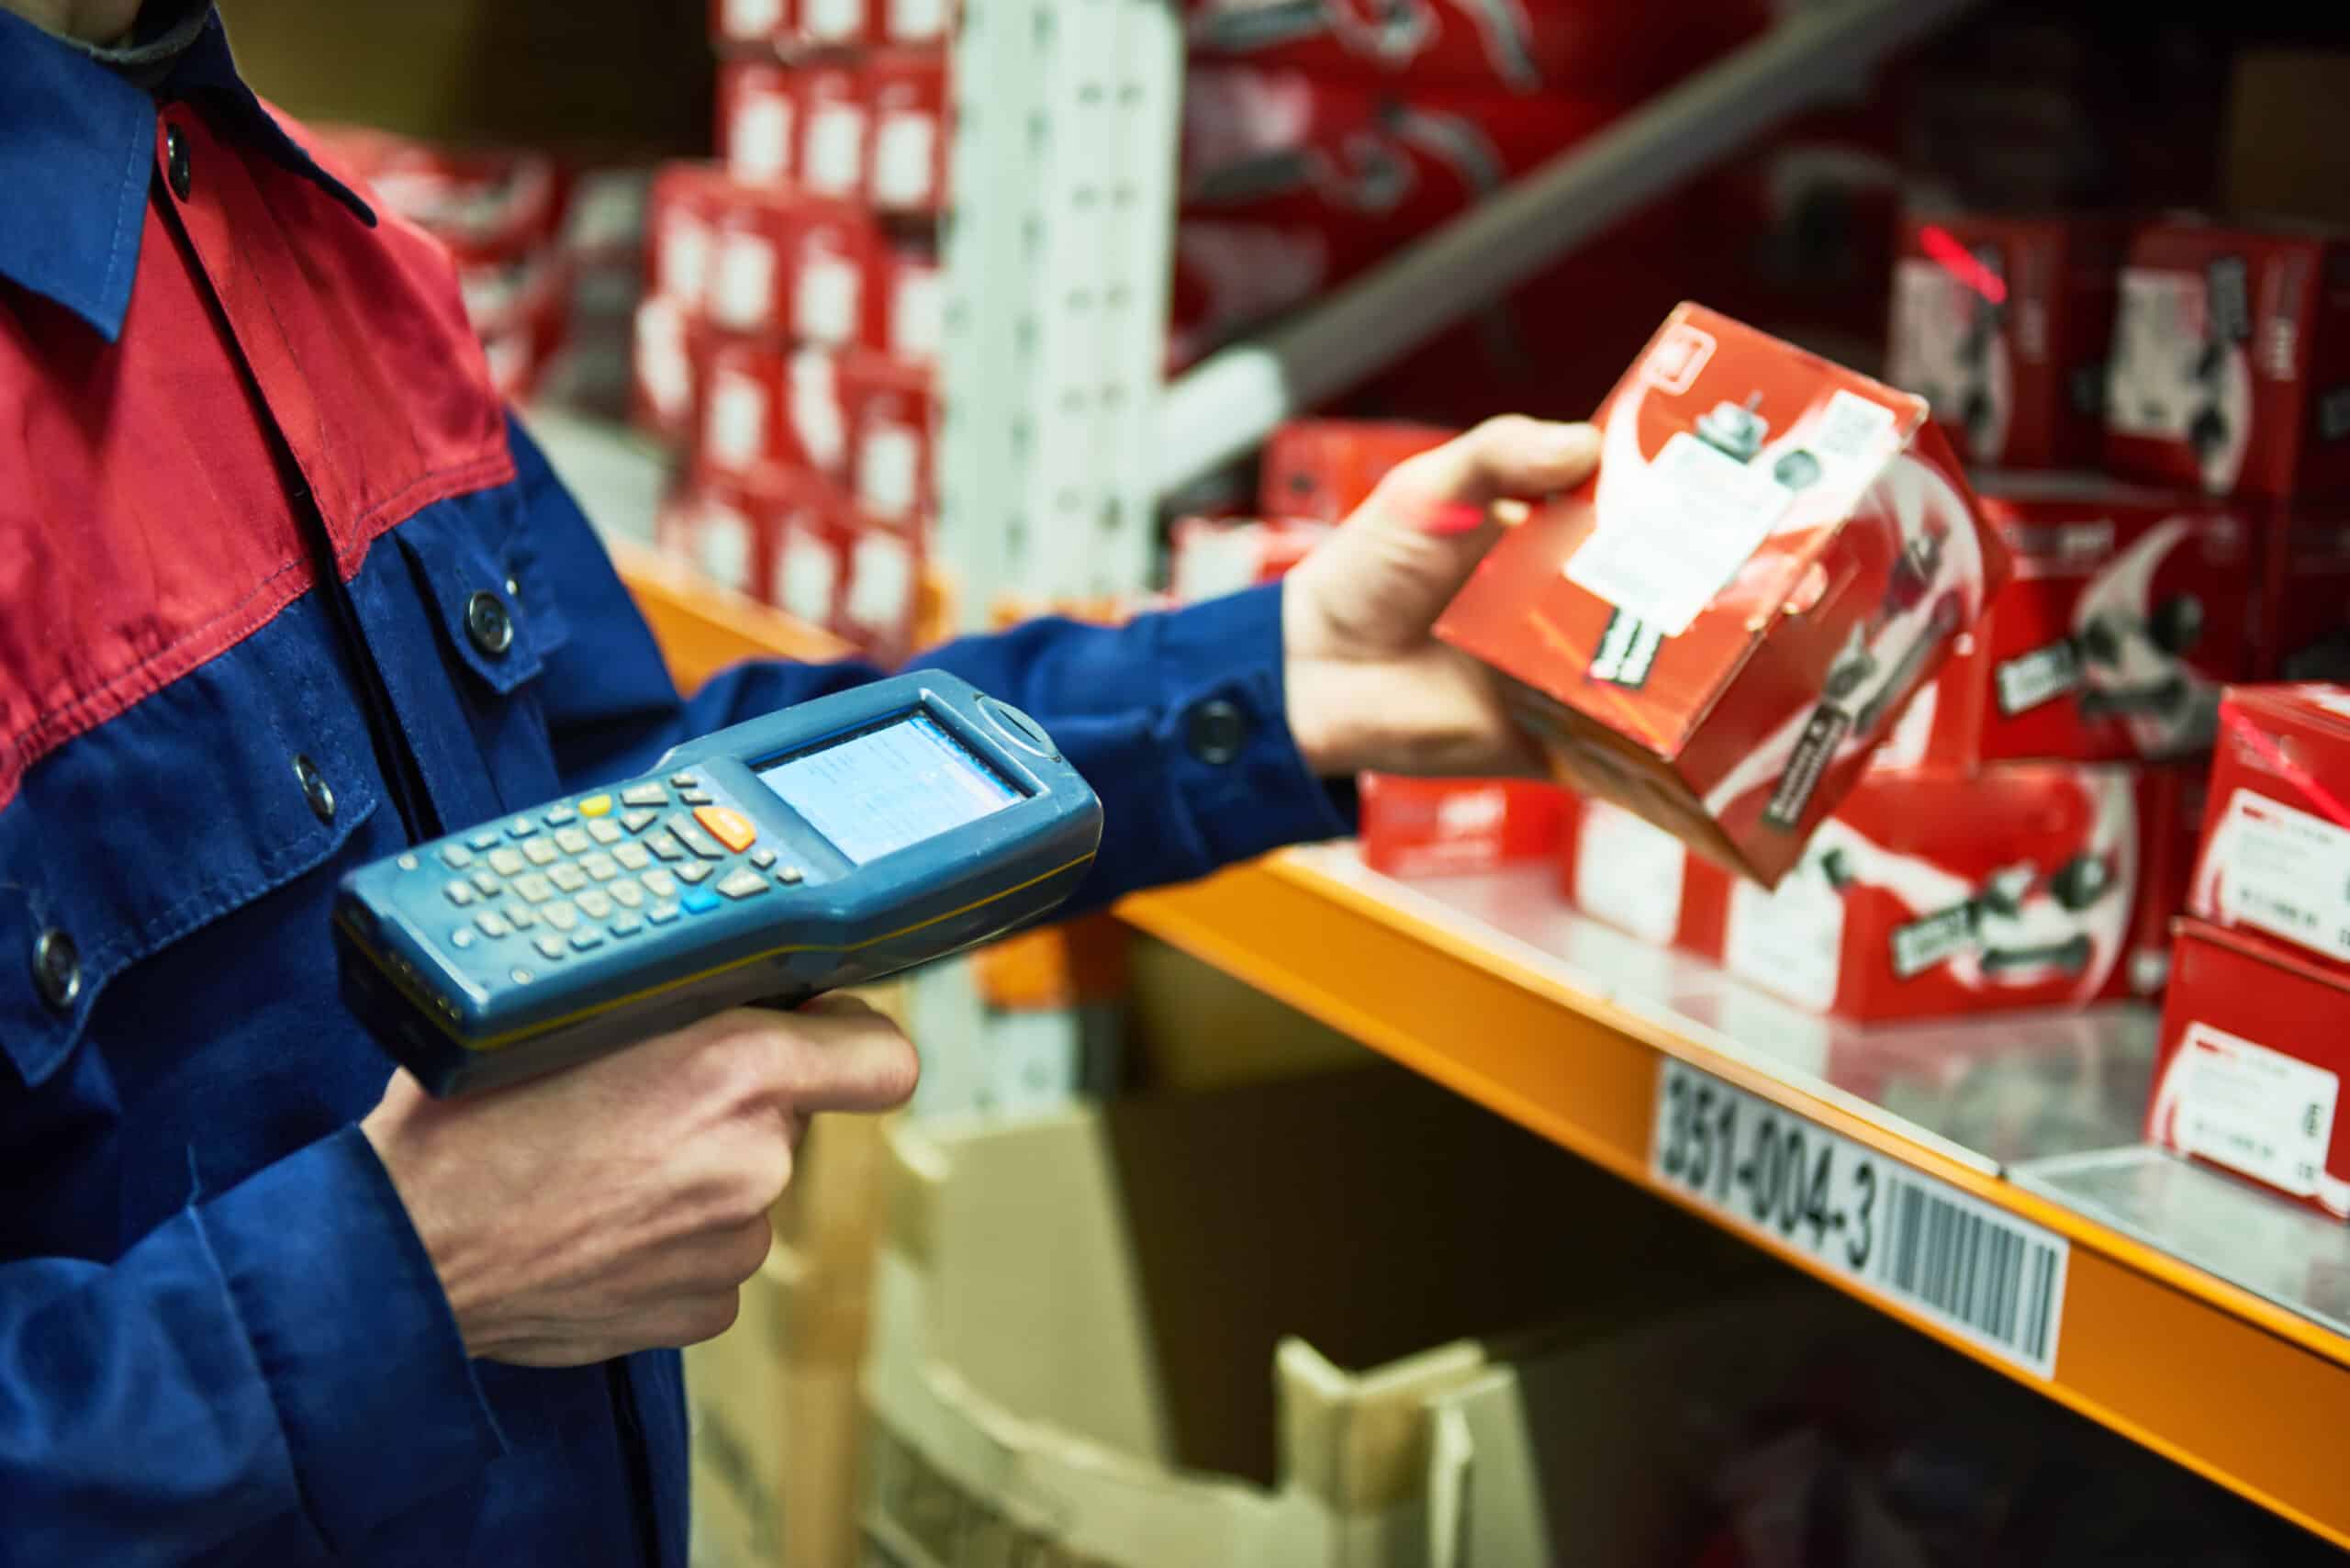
<point>77,153</point>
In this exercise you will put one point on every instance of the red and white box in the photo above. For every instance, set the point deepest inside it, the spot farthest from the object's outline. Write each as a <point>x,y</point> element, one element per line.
<point>2276,856</point>
<point>764,406</point>
<point>880,595</point>
<point>1365,167</point>
<point>485,205</point>
<point>2028,885</point>
<point>813,533</point>
<point>1214,556</point>
<point>680,215</point>
<point>1323,469</point>
<point>2305,597</point>
<point>1538,46</point>
<point>871,24</point>
<point>1629,872</point>
<point>1718,628</point>
<point>759,120</point>
<point>669,354</point>
<point>835,131</point>
<point>2231,368</point>
<point>2254,1042</point>
<point>905,316</point>
<point>905,167</point>
<point>2003,324</point>
<point>783,266</point>
<point>1433,827</point>
<point>724,529</point>
<point>2128,610</point>
<point>750,24</point>
<point>892,419</point>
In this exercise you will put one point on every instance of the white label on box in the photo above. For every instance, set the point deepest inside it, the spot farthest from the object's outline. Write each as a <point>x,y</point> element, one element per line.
<point>1628,871</point>
<point>1676,532</point>
<point>1899,1234</point>
<point>917,21</point>
<point>2253,1109</point>
<point>1854,434</point>
<point>742,287</point>
<point>2151,386</point>
<point>1212,558</point>
<point>888,456</point>
<point>2040,676</point>
<point>880,582</point>
<point>902,148</point>
<point>661,361</point>
<point>750,18</point>
<point>918,314</point>
<point>808,578</point>
<point>832,21</point>
<point>722,546</point>
<point>826,308</point>
<point>816,408</point>
<point>835,149</point>
<point>1791,941</point>
<point>685,259</point>
<point>2285,871</point>
<point>759,151</point>
<point>735,431</point>
<point>1932,312</point>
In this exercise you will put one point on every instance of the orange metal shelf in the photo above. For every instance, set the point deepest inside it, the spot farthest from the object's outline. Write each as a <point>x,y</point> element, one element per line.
<point>2231,1385</point>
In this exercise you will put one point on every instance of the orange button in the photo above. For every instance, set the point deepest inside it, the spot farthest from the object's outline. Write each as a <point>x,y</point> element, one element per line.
<point>730,827</point>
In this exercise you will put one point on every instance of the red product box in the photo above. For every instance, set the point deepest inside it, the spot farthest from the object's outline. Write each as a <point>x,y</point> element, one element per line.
<point>905,167</point>
<point>906,306</point>
<point>892,419</point>
<point>783,266</point>
<point>1431,828</point>
<point>834,133</point>
<point>1366,168</point>
<point>2254,1042</point>
<point>759,120</point>
<point>2231,369</point>
<point>486,206</point>
<point>723,528</point>
<point>813,533</point>
<point>750,24</point>
<point>763,406</point>
<point>1538,46</point>
<point>2305,598</point>
<point>670,356</point>
<point>679,216</point>
<point>2127,612</point>
<point>1215,556</point>
<point>2028,885</point>
<point>1719,627</point>
<point>2276,856</point>
<point>880,594</point>
<point>1323,469</point>
<point>2002,324</point>
<point>1632,874</point>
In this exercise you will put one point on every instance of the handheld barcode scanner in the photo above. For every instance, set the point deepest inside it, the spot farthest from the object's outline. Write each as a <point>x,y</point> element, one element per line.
<point>826,845</point>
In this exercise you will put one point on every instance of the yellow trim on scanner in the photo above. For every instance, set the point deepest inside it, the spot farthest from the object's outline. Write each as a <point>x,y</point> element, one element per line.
<point>497,1042</point>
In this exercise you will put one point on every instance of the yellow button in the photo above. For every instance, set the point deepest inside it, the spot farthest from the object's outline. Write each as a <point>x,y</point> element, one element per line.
<point>596,806</point>
<point>730,828</point>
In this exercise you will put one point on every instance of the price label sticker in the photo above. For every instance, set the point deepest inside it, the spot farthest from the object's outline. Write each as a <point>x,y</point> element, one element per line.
<point>1909,1238</point>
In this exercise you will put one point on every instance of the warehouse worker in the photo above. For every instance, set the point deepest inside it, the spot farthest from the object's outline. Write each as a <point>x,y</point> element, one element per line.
<point>282,590</point>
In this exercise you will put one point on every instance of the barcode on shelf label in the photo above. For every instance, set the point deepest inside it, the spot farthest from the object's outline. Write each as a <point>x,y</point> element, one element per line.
<point>1909,1238</point>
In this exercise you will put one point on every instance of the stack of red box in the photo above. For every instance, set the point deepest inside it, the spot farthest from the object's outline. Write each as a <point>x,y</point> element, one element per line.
<point>2256,1028</point>
<point>546,254</point>
<point>789,343</point>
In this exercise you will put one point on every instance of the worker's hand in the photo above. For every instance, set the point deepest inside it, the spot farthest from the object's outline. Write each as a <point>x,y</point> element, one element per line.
<point>618,1205</point>
<point>1368,687</point>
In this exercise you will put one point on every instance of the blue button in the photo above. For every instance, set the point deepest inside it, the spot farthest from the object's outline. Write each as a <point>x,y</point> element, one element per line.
<point>698,900</point>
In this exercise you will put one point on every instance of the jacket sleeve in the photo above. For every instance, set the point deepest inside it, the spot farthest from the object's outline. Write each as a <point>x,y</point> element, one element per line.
<point>235,1368</point>
<point>1177,720</point>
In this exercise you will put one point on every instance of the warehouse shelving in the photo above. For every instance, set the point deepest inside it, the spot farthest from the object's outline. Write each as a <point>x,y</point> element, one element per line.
<point>2204,1319</point>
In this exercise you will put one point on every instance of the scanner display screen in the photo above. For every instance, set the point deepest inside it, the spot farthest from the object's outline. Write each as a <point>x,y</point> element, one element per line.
<point>890,788</point>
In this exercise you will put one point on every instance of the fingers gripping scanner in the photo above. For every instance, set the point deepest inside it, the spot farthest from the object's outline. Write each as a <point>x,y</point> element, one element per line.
<point>826,845</point>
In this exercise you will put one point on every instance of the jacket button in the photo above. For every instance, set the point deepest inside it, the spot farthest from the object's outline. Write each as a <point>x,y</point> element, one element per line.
<point>175,164</point>
<point>56,969</point>
<point>488,624</point>
<point>1215,731</point>
<point>315,788</point>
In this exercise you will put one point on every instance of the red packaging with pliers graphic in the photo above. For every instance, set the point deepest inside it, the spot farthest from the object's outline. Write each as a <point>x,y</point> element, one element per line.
<point>2128,610</point>
<point>1719,627</point>
<point>2031,885</point>
<point>1431,828</point>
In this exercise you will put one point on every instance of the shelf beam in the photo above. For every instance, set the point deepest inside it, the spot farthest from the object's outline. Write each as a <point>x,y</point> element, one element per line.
<point>1228,403</point>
